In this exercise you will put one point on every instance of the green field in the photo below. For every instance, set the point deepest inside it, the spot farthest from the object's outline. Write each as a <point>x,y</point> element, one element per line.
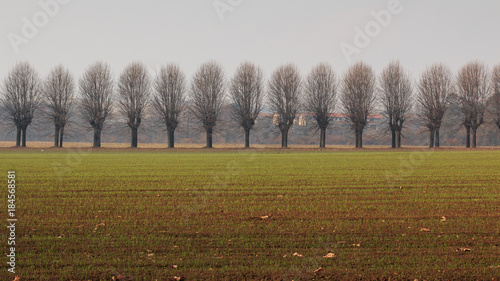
<point>212,215</point>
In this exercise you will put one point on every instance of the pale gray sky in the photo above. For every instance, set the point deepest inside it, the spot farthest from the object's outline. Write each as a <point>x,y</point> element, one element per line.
<point>266,32</point>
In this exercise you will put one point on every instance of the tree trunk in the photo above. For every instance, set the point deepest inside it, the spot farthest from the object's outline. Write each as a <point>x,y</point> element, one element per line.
<point>322,138</point>
<point>284,138</point>
<point>398,138</point>
<point>360,138</point>
<point>474,137</point>
<point>170,138</point>
<point>209,137</point>
<point>431,138</point>
<point>356,133</point>
<point>467,141</point>
<point>436,140</point>
<point>247,138</point>
<point>56,136</point>
<point>61,136</point>
<point>133,137</point>
<point>97,137</point>
<point>393,134</point>
<point>24,137</point>
<point>18,136</point>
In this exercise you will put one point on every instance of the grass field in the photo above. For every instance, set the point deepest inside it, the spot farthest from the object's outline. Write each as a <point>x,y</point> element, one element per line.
<point>236,215</point>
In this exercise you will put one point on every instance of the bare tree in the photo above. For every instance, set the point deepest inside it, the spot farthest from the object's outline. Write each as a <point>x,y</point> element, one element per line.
<point>358,97</point>
<point>434,90</point>
<point>396,97</point>
<point>320,97</point>
<point>495,87</point>
<point>21,96</point>
<point>284,98</point>
<point>169,98</point>
<point>134,90</point>
<point>207,95</point>
<point>473,93</point>
<point>58,93</point>
<point>246,90</point>
<point>96,90</point>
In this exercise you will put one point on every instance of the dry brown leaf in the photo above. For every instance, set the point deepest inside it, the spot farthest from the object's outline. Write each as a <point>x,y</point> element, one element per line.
<point>97,225</point>
<point>318,270</point>
<point>425,229</point>
<point>463,250</point>
<point>443,218</point>
<point>177,278</point>
<point>264,217</point>
<point>297,255</point>
<point>329,255</point>
<point>17,278</point>
<point>174,266</point>
<point>60,236</point>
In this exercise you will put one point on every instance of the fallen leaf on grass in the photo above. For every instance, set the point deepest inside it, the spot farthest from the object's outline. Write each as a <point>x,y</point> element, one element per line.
<point>17,278</point>
<point>97,225</point>
<point>463,250</point>
<point>443,218</point>
<point>329,255</point>
<point>318,270</point>
<point>297,255</point>
<point>174,266</point>
<point>264,217</point>
<point>284,256</point>
<point>425,229</point>
<point>177,278</point>
<point>357,245</point>
<point>60,236</point>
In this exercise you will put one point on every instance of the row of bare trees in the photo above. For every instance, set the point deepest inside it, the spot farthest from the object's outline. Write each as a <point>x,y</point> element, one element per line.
<point>359,93</point>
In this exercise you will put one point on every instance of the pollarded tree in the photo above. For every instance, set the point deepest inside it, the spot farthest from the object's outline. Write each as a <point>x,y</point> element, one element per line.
<point>396,98</point>
<point>207,95</point>
<point>495,87</point>
<point>21,96</point>
<point>96,91</point>
<point>246,91</point>
<point>358,97</point>
<point>284,98</point>
<point>434,90</point>
<point>58,93</point>
<point>133,90</point>
<point>169,98</point>
<point>320,97</point>
<point>473,93</point>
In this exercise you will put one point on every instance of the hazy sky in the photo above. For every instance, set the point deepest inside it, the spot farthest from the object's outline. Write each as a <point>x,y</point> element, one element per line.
<point>266,32</point>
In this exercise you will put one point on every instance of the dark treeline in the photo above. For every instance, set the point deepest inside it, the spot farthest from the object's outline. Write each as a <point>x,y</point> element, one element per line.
<point>388,108</point>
